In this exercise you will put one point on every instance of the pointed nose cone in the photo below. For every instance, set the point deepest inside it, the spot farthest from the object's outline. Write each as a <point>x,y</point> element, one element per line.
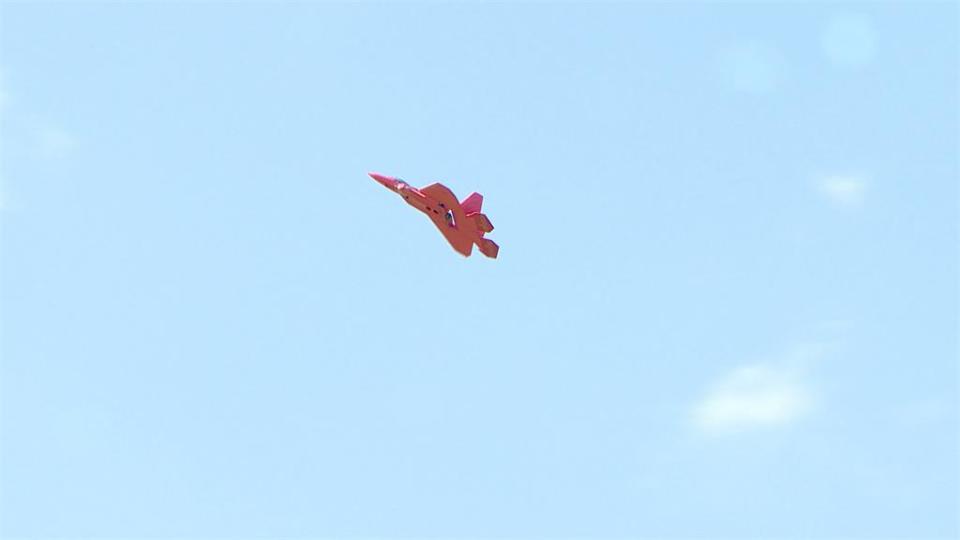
<point>387,181</point>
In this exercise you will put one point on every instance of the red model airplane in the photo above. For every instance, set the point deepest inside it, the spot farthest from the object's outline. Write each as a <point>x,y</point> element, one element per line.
<point>461,223</point>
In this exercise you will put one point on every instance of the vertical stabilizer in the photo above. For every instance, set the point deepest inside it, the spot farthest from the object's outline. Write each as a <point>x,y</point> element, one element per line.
<point>472,204</point>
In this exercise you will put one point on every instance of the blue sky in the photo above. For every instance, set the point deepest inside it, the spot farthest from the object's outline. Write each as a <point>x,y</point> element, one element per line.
<point>726,303</point>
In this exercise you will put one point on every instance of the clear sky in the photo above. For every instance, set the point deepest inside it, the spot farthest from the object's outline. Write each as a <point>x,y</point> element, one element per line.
<point>726,303</point>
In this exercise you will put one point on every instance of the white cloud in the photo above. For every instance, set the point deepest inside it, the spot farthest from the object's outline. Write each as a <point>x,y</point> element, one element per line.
<point>4,96</point>
<point>753,397</point>
<point>55,142</point>
<point>4,100</point>
<point>752,67</point>
<point>926,410</point>
<point>843,189</point>
<point>849,40</point>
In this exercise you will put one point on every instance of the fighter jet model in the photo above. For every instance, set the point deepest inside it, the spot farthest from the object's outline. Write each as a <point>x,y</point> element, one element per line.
<point>461,223</point>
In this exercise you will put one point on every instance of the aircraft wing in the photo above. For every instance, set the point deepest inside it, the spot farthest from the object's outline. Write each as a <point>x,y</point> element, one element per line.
<point>442,194</point>
<point>451,229</point>
<point>457,239</point>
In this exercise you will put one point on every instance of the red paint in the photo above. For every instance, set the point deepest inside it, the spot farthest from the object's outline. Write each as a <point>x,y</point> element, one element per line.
<point>462,224</point>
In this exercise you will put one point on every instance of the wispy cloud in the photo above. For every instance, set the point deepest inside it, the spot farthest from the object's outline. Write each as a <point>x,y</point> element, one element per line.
<point>846,190</point>
<point>54,142</point>
<point>926,410</point>
<point>4,95</point>
<point>849,40</point>
<point>4,100</point>
<point>753,397</point>
<point>752,67</point>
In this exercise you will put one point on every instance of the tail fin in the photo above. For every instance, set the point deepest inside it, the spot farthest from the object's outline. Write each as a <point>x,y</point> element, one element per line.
<point>488,247</point>
<point>472,204</point>
<point>482,222</point>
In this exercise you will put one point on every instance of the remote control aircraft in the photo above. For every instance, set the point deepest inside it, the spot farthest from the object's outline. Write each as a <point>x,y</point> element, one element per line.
<point>461,223</point>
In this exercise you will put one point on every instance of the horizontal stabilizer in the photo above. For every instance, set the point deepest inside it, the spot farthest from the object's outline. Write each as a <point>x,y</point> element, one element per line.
<point>483,224</point>
<point>489,247</point>
<point>472,204</point>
